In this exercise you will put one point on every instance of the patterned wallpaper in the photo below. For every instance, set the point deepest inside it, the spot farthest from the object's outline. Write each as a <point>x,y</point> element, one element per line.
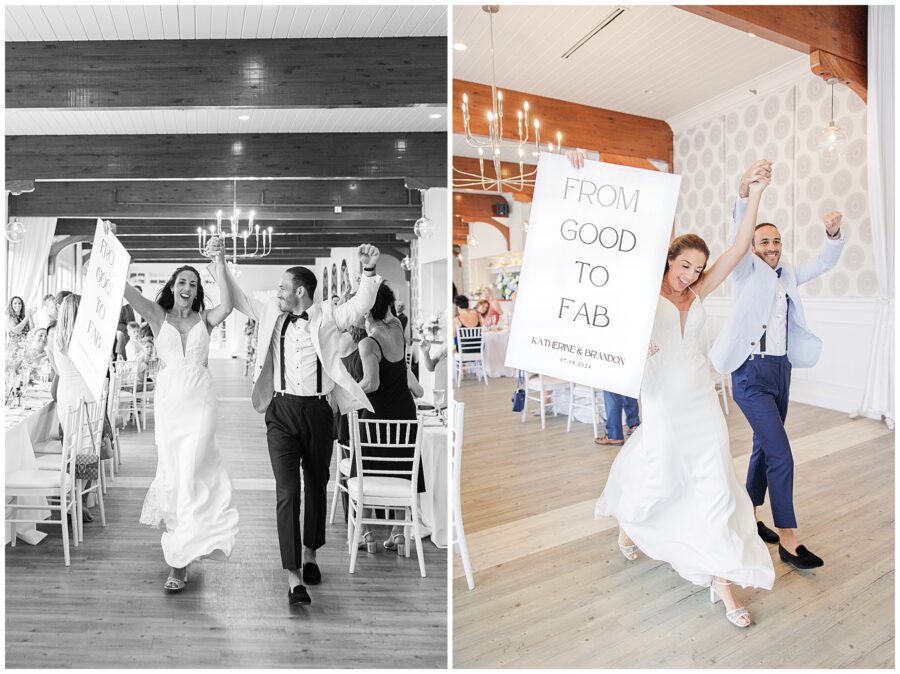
<point>783,126</point>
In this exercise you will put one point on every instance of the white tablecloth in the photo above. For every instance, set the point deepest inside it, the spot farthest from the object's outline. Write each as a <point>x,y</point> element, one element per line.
<point>25,428</point>
<point>433,502</point>
<point>494,354</point>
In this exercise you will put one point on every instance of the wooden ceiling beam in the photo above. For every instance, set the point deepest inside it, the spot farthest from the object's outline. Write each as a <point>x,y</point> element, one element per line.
<point>361,156</point>
<point>835,36</point>
<point>581,125</point>
<point>199,200</point>
<point>292,230</point>
<point>285,73</point>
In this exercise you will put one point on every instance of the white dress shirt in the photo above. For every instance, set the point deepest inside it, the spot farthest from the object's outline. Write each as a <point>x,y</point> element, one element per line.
<point>300,361</point>
<point>776,328</point>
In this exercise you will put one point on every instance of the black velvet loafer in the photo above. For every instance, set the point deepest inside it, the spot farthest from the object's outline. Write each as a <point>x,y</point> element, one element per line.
<point>298,595</point>
<point>766,533</point>
<point>311,574</point>
<point>804,559</point>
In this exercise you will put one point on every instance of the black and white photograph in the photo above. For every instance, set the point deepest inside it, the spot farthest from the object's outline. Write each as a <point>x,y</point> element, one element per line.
<point>226,364</point>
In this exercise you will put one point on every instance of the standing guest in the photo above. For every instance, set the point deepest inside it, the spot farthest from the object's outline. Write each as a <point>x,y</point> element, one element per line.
<point>71,387</point>
<point>614,404</point>
<point>388,382</point>
<point>401,315</point>
<point>765,336</point>
<point>18,321</point>
<point>126,315</point>
<point>46,314</point>
<point>495,311</point>
<point>298,369</point>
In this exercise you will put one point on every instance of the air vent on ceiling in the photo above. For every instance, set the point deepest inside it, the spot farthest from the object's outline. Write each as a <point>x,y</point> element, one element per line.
<point>608,19</point>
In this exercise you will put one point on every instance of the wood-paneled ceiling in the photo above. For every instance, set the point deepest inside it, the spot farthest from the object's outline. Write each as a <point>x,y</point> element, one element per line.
<point>653,60</point>
<point>131,113</point>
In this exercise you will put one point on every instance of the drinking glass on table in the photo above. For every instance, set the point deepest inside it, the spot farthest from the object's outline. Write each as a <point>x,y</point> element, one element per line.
<point>440,402</point>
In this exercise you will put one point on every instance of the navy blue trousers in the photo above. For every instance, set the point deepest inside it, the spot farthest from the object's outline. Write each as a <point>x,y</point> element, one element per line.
<point>613,402</point>
<point>761,387</point>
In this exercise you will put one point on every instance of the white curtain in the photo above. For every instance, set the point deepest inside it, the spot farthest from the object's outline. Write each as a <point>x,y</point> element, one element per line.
<point>878,399</point>
<point>28,261</point>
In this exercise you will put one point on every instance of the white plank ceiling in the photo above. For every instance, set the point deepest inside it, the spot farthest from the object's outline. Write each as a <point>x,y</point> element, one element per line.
<point>199,22</point>
<point>654,61</point>
<point>54,23</point>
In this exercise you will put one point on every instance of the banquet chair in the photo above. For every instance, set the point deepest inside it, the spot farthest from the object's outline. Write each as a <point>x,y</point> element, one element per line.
<point>459,533</point>
<point>128,377</point>
<point>112,405</point>
<point>469,353</point>
<point>147,392</point>
<point>376,486</point>
<point>58,484</point>
<point>88,466</point>
<point>344,459</point>
<point>543,386</point>
<point>579,396</point>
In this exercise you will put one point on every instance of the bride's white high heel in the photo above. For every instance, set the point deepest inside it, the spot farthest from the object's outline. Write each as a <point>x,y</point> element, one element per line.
<point>175,584</point>
<point>629,552</point>
<point>740,616</point>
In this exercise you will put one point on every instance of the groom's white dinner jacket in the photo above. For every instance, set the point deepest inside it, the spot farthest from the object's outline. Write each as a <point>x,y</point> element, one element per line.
<point>326,323</point>
<point>751,304</point>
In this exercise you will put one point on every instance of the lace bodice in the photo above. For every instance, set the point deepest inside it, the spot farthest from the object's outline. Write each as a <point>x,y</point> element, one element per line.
<point>193,353</point>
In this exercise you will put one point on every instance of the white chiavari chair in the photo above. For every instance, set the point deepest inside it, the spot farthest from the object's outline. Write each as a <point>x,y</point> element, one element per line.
<point>459,533</point>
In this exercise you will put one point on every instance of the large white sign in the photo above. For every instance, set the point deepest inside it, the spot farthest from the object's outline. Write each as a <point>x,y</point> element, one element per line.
<point>98,311</point>
<point>593,263</point>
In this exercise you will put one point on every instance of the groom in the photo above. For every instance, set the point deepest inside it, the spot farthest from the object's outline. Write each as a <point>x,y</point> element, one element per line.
<point>298,368</point>
<point>766,334</point>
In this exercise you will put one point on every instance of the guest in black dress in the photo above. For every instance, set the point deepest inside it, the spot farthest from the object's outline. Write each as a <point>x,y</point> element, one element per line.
<point>387,380</point>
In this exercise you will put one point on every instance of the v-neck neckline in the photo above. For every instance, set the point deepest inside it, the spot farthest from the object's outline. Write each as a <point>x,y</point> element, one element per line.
<point>686,311</point>
<point>183,336</point>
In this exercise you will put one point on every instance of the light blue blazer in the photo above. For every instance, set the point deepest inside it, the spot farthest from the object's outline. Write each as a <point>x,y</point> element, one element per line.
<point>752,296</point>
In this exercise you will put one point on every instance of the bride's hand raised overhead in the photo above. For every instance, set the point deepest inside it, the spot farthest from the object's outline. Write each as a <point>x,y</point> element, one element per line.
<point>576,158</point>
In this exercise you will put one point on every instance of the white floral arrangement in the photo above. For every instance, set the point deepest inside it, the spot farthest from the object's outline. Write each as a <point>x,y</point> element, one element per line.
<point>477,291</point>
<point>507,283</point>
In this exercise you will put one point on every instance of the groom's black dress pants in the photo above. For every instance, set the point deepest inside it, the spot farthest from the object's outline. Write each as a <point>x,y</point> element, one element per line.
<point>300,434</point>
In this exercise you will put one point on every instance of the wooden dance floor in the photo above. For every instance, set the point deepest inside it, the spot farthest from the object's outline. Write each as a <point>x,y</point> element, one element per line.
<point>108,609</point>
<point>552,589</point>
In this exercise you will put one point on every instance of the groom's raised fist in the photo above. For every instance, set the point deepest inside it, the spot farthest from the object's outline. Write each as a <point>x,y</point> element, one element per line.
<point>368,255</point>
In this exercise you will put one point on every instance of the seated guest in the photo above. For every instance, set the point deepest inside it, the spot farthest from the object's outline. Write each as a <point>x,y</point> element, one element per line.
<point>465,317</point>
<point>18,321</point>
<point>387,381</point>
<point>495,311</point>
<point>615,403</point>
<point>133,348</point>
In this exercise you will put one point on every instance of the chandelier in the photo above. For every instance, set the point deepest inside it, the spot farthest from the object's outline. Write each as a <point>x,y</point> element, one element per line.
<point>494,144</point>
<point>262,239</point>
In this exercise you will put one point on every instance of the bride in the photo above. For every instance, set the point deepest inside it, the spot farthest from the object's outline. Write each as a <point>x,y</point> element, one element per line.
<point>191,492</point>
<point>672,488</point>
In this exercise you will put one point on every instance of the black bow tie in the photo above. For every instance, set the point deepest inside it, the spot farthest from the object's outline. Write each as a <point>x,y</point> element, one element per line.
<point>293,317</point>
<point>778,272</point>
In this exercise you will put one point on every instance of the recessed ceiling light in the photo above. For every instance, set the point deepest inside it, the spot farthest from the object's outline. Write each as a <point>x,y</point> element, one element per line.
<point>244,117</point>
<point>434,116</point>
<point>459,46</point>
<point>751,34</point>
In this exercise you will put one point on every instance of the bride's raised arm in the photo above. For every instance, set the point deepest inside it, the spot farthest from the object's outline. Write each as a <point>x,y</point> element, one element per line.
<point>719,270</point>
<point>226,301</point>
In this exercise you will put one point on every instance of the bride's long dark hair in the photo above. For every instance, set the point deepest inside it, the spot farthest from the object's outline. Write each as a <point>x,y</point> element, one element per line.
<point>166,297</point>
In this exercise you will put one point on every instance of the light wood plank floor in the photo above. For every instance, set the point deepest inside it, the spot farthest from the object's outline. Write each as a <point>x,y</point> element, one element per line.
<point>108,609</point>
<point>552,589</point>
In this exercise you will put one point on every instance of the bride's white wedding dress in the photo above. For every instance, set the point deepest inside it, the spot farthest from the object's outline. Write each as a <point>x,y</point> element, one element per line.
<point>191,492</point>
<point>672,487</point>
